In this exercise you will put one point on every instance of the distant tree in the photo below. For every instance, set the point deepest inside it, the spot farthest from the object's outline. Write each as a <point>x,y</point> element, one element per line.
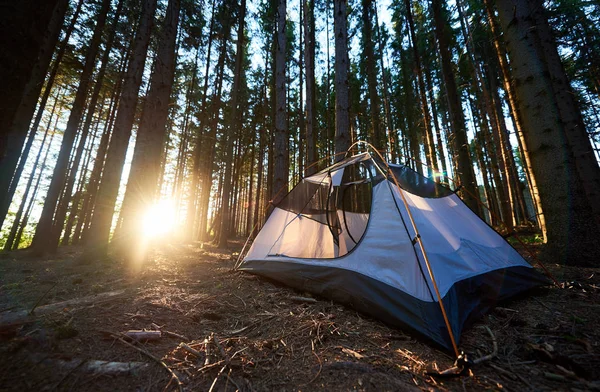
<point>233,127</point>
<point>281,146</point>
<point>142,186</point>
<point>463,160</point>
<point>45,239</point>
<point>115,158</point>
<point>343,138</point>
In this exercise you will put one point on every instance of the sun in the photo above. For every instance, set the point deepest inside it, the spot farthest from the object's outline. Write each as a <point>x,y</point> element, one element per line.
<point>159,219</point>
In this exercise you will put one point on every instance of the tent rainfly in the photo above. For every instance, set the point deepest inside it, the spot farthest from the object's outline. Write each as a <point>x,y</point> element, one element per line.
<point>392,244</point>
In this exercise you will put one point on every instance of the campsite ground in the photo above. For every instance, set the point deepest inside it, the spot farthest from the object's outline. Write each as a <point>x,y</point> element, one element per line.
<point>225,330</point>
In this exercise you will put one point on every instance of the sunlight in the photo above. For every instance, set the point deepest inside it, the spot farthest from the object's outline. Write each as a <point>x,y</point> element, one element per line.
<point>159,219</point>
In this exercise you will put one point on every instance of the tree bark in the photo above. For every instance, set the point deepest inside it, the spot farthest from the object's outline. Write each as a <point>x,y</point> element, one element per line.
<point>309,63</point>
<point>63,205</point>
<point>117,149</point>
<point>25,28</point>
<point>234,126</point>
<point>13,137</point>
<point>342,88</point>
<point>142,185</point>
<point>457,121</point>
<point>570,233</point>
<point>281,146</point>
<point>570,114</point>
<point>371,70</point>
<point>44,239</point>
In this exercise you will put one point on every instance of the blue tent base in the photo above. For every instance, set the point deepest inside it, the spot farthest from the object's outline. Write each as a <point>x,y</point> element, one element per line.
<point>465,302</point>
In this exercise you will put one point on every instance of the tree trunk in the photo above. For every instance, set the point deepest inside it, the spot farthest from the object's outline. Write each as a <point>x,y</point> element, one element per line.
<point>371,70</point>
<point>44,239</point>
<point>13,137</point>
<point>342,88</point>
<point>281,147</point>
<point>311,111</point>
<point>211,136</point>
<point>418,71</point>
<point>570,114</point>
<point>516,115</point>
<point>8,245</point>
<point>570,233</point>
<point>142,185</point>
<point>27,28</point>
<point>457,121</point>
<point>235,124</point>
<point>117,149</point>
<point>63,205</point>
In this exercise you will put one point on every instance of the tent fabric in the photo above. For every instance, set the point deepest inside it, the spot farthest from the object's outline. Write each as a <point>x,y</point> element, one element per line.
<point>355,244</point>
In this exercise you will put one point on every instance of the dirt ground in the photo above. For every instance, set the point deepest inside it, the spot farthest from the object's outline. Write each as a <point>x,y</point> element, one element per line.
<point>224,331</point>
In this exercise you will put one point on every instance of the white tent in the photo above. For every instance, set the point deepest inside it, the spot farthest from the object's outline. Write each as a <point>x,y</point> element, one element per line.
<point>412,255</point>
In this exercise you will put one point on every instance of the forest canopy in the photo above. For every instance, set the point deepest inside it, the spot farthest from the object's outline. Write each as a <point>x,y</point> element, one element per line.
<point>125,121</point>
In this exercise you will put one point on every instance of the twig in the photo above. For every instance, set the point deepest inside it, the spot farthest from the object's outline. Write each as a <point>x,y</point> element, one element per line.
<point>216,378</point>
<point>320,369</point>
<point>304,300</point>
<point>494,352</point>
<point>503,371</point>
<point>157,360</point>
<point>175,335</point>
<point>207,351</point>
<point>220,347</point>
<point>554,376</point>
<point>190,350</point>
<point>41,298</point>
<point>68,374</point>
<point>233,381</point>
<point>240,298</point>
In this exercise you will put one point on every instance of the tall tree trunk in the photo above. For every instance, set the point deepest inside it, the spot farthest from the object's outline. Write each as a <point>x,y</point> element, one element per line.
<point>570,233</point>
<point>117,149</point>
<point>63,205</point>
<point>311,110</point>
<point>464,167</point>
<point>44,239</point>
<point>282,157</point>
<point>516,115</point>
<point>8,245</point>
<point>371,70</point>
<point>193,222</point>
<point>234,126</point>
<point>27,28</point>
<point>14,133</point>
<point>142,185</point>
<point>91,190</point>
<point>418,71</point>
<point>211,136</point>
<point>570,114</point>
<point>342,87</point>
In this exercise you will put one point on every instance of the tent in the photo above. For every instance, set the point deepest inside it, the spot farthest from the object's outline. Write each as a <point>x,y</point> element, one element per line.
<point>392,244</point>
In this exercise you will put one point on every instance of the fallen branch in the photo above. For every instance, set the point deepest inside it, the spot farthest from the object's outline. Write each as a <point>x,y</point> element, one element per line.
<point>25,316</point>
<point>155,359</point>
<point>494,352</point>
<point>175,335</point>
<point>190,350</point>
<point>306,300</point>
<point>140,335</point>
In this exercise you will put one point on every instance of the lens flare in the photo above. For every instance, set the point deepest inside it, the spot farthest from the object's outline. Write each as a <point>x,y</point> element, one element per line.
<point>159,219</point>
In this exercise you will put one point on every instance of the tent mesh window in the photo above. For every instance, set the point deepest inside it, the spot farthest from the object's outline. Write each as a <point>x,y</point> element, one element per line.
<point>341,212</point>
<point>417,184</point>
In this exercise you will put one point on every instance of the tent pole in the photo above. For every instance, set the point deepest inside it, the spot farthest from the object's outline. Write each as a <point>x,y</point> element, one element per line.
<point>420,242</point>
<point>499,219</point>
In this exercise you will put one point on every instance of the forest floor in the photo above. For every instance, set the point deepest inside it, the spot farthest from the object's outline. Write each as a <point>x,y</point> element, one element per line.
<point>223,330</point>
